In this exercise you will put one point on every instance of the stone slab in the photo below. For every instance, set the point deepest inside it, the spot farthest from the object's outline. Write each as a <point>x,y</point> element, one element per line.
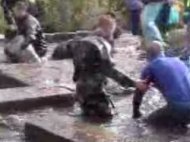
<point>47,74</point>
<point>10,82</point>
<point>64,36</point>
<point>25,98</point>
<point>56,37</point>
<point>56,128</point>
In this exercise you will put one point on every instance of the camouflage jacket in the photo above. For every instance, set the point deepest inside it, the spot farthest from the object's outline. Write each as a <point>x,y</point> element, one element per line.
<point>8,5</point>
<point>92,61</point>
<point>92,57</point>
<point>31,29</point>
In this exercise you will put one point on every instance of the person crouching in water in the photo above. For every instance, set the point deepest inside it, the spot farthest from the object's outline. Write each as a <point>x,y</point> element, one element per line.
<point>172,78</point>
<point>92,65</point>
<point>28,45</point>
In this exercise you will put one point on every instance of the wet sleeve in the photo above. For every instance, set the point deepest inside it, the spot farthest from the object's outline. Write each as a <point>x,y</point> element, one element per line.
<point>119,77</point>
<point>147,74</point>
<point>31,30</point>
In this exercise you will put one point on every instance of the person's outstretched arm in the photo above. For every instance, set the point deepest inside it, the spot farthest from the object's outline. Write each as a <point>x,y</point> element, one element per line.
<point>119,77</point>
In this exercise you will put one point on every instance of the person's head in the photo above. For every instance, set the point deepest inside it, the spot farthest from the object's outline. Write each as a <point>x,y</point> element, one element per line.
<point>111,14</point>
<point>21,9</point>
<point>155,49</point>
<point>106,22</point>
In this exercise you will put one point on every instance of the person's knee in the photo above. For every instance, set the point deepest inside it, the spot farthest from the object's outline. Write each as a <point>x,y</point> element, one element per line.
<point>29,55</point>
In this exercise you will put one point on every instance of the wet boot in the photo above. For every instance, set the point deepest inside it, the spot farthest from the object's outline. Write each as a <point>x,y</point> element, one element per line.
<point>137,100</point>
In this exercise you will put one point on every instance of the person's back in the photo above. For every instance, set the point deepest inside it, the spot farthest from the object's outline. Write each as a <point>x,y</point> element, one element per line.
<point>172,77</point>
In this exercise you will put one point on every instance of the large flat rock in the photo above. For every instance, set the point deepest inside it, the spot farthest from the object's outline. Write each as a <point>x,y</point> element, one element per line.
<point>47,74</point>
<point>26,98</point>
<point>28,86</point>
<point>65,129</point>
<point>64,36</point>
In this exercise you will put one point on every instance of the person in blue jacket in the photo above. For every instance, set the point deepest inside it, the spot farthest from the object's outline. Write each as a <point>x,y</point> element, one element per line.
<point>171,76</point>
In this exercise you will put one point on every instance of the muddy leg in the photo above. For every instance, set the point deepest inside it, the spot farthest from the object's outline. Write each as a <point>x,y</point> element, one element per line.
<point>91,96</point>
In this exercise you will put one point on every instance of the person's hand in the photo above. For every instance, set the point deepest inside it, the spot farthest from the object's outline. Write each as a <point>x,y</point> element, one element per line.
<point>142,85</point>
<point>12,27</point>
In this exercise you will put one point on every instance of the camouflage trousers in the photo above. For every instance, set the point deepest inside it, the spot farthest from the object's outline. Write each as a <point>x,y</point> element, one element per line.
<point>91,94</point>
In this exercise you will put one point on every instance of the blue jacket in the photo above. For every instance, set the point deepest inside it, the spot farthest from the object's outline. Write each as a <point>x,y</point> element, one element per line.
<point>172,78</point>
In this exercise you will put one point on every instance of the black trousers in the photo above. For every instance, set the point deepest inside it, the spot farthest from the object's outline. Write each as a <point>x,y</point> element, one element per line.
<point>135,22</point>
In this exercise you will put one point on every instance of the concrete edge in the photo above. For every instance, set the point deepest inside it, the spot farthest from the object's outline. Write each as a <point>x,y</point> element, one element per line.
<point>34,133</point>
<point>25,103</point>
<point>58,36</point>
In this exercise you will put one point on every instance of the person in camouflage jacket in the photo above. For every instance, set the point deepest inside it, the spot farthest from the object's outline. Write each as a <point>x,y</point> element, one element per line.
<point>29,28</point>
<point>92,65</point>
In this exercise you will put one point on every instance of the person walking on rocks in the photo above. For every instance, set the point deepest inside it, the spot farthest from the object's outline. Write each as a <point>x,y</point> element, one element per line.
<point>92,65</point>
<point>28,45</point>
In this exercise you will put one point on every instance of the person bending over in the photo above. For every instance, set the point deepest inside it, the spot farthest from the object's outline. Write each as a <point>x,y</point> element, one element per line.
<point>92,65</point>
<point>171,76</point>
<point>29,41</point>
